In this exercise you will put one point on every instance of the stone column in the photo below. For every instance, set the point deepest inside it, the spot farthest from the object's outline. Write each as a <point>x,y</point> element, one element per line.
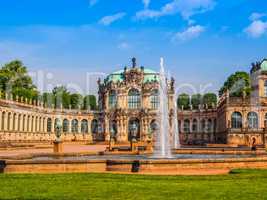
<point>45,124</point>
<point>16,123</point>
<point>33,125</point>
<point>10,128</point>
<point>79,126</point>
<point>21,123</point>
<point>89,126</point>
<point>53,125</point>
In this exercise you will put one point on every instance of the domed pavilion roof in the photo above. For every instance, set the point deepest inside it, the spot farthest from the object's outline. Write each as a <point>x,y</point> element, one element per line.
<point>264,65</point>
<point>118,76</point>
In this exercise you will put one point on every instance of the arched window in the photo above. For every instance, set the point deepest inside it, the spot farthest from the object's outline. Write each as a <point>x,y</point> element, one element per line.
<point>154,99</point>
<point>65,125</point>
<point>265,88</point>
<point>134,99</point>
<point>94,126</point>
<point>74,126</point>
<point>133,129</point>
<point>84,126</point>
<point>19,120</point>
<point>203,125</point>
<point>252,120</point>
<point>14,121</point>
<point>154,126</point>
<point>209,125</point>
<point>236,120</point>
<point>3,121</point>
<point>8,121</point>
<point>23,123</point>
<point>49,125</point>
<point>186,126</point>
<point>113,128</point>
<point>195,125</point>
<point>179,126</point>
<point>112,99</point>
<point>56,122</point>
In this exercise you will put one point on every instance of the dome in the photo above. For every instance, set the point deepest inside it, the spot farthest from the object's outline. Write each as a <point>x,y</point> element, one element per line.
<point>118,76</point>
<point>263,66</point>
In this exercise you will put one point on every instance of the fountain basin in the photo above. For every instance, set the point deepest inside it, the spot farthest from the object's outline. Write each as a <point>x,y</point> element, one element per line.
<point>138,164</point>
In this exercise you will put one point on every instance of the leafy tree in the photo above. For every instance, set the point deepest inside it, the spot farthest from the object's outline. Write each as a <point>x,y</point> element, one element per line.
<point>14,79</point>
<point>237,83</point>
<point>61,97</point>
<point>210,99</point>
<point>196,99</point>
<point>89,102</point>
<point>183,101</point>
<point>48,99</point>
<point>76,101</point>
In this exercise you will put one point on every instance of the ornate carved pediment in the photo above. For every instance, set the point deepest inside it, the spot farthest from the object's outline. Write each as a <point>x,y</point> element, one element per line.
<point>134,75</point>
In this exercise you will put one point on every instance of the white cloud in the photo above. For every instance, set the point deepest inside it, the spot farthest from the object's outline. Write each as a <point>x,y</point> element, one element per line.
<point>146,3</point>
<point>107,20</point>
<point>186,9</point>
<point>256,29</point>
<point>255,16</point>
<point>189,34</point>
<point>124,46</point>
<point>93,2</point>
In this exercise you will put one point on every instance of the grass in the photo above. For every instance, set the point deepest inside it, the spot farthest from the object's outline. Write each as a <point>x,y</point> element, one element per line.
<point>240,184</point>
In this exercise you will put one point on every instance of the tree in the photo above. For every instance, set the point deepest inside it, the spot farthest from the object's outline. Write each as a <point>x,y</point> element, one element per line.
<point>14,79</point>
<point>48,99</point>
<point>210,99</point>
<point>183,101</point>
<point>89,102</point>
<point>196,100</point>
<point>61,97</point>
<point>76,101</point>
<point>237,84</point>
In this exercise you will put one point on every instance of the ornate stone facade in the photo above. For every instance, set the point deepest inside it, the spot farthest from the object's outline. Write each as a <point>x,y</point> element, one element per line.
<point>128,105</point>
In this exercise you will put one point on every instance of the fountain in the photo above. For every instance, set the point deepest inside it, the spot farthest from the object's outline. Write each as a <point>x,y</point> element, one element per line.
<point>175,128</point>
<point>162,145</point>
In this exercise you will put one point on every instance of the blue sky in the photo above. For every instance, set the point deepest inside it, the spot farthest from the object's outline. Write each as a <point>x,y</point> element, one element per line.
<point>202,41</point>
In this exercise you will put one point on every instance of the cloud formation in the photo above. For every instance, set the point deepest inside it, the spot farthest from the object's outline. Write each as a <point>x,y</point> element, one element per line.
<point>256,29</point>
<point>190,33</point>
<point>107,20</point>
<point>186,9</point>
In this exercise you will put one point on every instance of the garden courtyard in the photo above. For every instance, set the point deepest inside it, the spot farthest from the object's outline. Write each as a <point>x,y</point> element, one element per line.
<point>239,184</point>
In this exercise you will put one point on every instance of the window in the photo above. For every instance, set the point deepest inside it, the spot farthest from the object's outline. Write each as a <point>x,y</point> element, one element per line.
<point>236,120</point>
<point>65,125</point>
<point>186,126</point>
<point>209,125</point>
<point>194,126</point>
<point>265,88</point>
<point>49,125</point>
<point>112,99</point>
<point>94,126</point>
<point>252,120</point>
<point>134,99</point>
<point>57,121</point>
<point>203,125</point>
<point>74,126</point>
<point>84,126</point>
<point>154,99</point>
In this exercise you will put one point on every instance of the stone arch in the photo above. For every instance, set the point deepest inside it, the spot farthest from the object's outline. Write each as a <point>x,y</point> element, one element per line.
<point>209,125</point>
<point>84,126</point>
<point>203,125</point>
<point>94,126</point>
<point>74,126</point>
<point>133,128</point>
<point>236,120</point>
<point>195,125</point>
<point>3,120</point>
<point>253,121</point>
<point>186,128</point>
<point>65,126</point>
<point>49,125</point>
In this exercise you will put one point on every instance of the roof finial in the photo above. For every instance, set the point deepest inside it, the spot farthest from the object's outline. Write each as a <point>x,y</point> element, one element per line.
<point>134,62</point>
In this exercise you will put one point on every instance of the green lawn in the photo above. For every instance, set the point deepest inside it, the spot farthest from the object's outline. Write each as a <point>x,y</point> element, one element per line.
<point>240,184</point>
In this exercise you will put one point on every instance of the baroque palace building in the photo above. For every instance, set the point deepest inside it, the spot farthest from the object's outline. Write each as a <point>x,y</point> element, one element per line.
<point>128,102</point>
